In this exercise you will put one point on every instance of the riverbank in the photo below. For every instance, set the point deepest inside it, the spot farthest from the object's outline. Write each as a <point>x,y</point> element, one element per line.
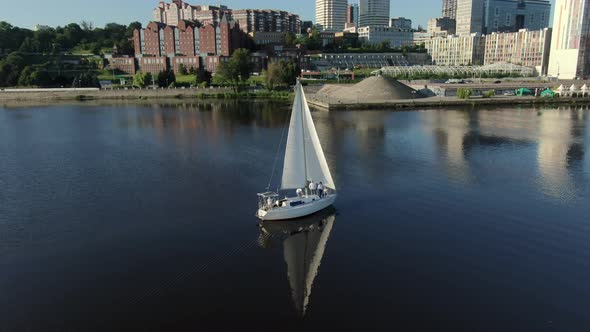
<point>50,95</point>
<point>437,102</point>
<point>13,98</point>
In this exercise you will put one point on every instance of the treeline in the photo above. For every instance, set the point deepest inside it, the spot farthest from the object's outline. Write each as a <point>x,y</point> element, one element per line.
<point>28,58</point>
<point>15,71</point>
<point>83,36</point>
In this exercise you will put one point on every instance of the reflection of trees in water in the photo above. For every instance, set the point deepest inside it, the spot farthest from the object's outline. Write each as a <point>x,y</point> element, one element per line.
<point>214,118</point>
<point>238,112</point>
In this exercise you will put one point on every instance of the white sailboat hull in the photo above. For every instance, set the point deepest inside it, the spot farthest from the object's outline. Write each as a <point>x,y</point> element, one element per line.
<point>313,205</point>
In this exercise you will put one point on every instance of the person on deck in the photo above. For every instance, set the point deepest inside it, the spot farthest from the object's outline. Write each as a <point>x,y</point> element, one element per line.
<point>312,187</point>
<point>320,189</point>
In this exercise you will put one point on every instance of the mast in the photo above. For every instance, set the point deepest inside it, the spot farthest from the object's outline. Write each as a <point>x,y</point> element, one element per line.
<point>302,110</point>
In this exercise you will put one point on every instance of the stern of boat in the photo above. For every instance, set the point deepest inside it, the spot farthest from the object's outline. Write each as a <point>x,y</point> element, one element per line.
<point>261,213</point>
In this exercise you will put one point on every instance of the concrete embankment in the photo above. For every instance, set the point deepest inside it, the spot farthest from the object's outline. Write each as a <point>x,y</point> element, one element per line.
<point>436,102</point>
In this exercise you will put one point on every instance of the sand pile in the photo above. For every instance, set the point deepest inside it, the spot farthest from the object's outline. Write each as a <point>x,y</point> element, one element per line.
<point>369,90</point>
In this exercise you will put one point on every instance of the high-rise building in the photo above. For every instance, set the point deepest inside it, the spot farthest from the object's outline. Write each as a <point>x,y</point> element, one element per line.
<point>470,17</point>
<point>401,23</point>
<point>305,26</point>
<point>513,15</point>
<point>449,9</point>
<point>374,13</point>
<point>441,26</point>
<point>570,43</point>
<point>330,15</point>
<point>352,14</point>
<point>254,20</point>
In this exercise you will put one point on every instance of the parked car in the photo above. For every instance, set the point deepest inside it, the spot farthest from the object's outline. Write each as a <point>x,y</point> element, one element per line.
<point>508,93</point>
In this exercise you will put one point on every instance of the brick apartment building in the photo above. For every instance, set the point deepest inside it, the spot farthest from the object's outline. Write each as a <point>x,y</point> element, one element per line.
<point>125,64</point>
<point>178,10</point>
<point>253,20</point>
<point>250,20</point>
<point>201,36</point>
<point>160,47</point>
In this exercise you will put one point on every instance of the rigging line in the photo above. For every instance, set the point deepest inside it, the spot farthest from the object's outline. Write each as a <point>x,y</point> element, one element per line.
<point>274,167</point>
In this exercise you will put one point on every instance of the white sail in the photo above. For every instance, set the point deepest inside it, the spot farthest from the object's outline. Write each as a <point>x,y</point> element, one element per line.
<point>317,167</point>
<point>304,157</point>
<point>294,165</point>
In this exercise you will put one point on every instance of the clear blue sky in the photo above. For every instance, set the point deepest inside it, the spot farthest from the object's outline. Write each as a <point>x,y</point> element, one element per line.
<point>60,12</point>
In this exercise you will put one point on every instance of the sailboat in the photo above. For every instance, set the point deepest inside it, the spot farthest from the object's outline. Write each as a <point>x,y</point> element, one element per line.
<point>304,244</point>
<point>304,163</point>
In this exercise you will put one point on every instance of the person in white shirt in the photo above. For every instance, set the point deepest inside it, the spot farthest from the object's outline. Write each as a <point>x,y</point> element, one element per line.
<point>312,187</point>
<point>320,189</point>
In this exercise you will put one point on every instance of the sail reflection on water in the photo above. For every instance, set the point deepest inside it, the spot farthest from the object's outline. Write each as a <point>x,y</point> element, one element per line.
<point>304,242</point>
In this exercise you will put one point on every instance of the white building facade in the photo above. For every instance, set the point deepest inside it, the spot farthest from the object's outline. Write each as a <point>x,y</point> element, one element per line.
<point>570,45</point>
<point>377,35</point>
<point>330,15</point>
<point>470,17</point>
<point>456,50</point>
<point>530,48</point>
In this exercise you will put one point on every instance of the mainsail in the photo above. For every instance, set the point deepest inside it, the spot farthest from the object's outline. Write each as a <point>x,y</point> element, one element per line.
<point>304,157</point>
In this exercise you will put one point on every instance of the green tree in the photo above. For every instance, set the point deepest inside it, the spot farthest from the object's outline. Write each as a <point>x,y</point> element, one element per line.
<point>141,80</point>
<point>182,69</point>
<point>289,39</point>
<point>203,77</point>
<point>85,80</point>
<point>464,93</point>
<point>25,76</point>
<point>281,73</point>
<point>272,75</point>
<point>166,78</point>
<point>40,77</point>
<point>236,71</point>
<point>10,69</point>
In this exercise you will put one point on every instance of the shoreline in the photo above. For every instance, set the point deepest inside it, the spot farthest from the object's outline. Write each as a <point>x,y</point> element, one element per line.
<point>138,94</point>
<point>11,98</point>
<point>441,102</point>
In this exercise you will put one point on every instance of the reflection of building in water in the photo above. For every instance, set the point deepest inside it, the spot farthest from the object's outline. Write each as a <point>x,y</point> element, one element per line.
<point>304,243</point>
<point>559,149</point>
<point>353,135</point>
<point>450,129</point>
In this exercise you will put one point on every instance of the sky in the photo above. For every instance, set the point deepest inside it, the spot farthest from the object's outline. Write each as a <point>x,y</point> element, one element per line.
<point>61,12</point>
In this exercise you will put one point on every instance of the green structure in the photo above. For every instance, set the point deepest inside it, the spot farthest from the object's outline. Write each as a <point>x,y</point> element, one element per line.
<point>548,93</point>
<point>523,92</point>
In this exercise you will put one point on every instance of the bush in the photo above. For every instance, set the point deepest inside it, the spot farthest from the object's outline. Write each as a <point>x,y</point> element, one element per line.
<point>464,93</point>
<point>489,94</point>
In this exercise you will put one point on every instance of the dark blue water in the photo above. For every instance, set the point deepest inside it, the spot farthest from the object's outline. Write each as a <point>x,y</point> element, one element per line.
<point>131,217</point>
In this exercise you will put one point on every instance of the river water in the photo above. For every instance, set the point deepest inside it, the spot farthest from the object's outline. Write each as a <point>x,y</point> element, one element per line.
<point>141,217</point>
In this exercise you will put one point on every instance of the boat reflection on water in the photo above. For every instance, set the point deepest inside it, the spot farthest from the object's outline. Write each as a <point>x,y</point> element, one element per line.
<point>304,242</point>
